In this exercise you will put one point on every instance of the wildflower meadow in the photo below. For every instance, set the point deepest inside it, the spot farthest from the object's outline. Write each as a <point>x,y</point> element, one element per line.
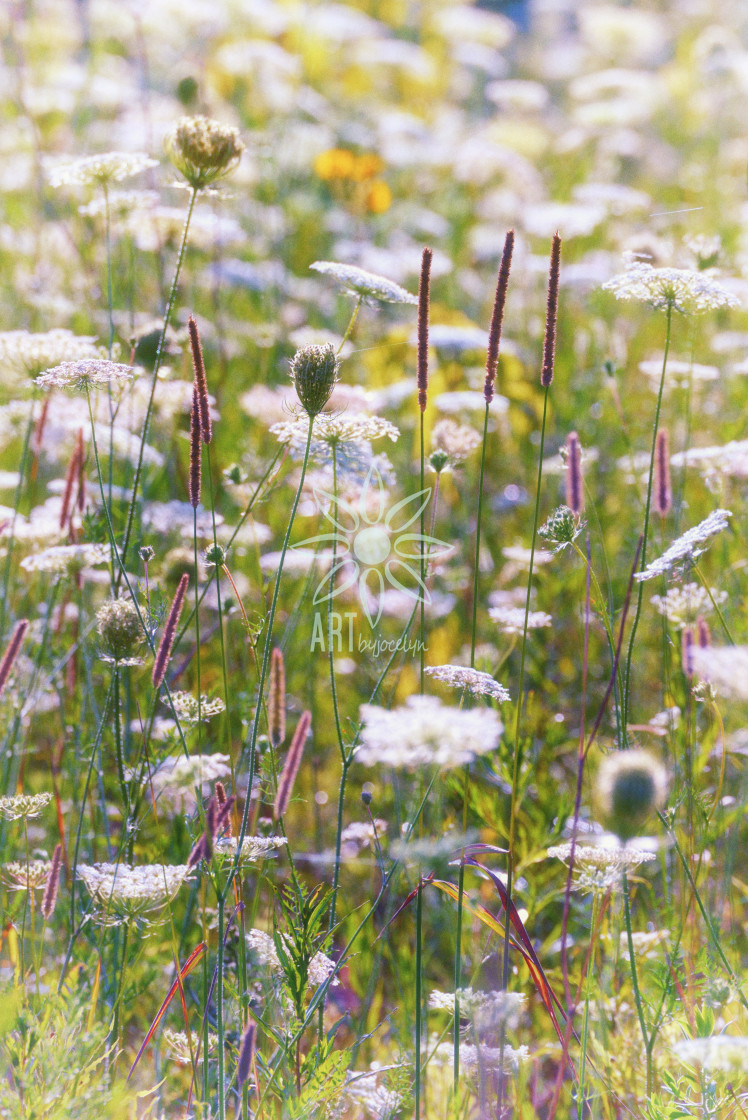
<point>373,631</point>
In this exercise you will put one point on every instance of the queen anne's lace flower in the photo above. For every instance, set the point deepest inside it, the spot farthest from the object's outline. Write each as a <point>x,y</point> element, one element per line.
<point>724,667</point>
<point>678,289</point>
<point>472,680</point>
<point>21,876</point>
<point>177,1045</point>
<point>262,944</point>
<point>426,733</point>
<point>186,706</point>
<point>175,779</point>
<point>100,170</point>
<point>23,806</point>
<point>23,352</point>
<point>254,848</point>
<point>600,868</point>
<point>511,620</point>
<point>123,893</point>
<point>333,431</point>
<point>682,605</point>
<point>689,546</point>
<point>725,1052</point>
<point>363,283</point>
<point>67,558</point>
<point>85,373</point>
<point>487,1010</point>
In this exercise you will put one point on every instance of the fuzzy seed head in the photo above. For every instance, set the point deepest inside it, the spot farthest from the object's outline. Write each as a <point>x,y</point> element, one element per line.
<point>203,150</point>
<point>631,785</point>
<point>119,629</point>
<point>314,372</point>
<point>574,485</point>
<point>662,488</point>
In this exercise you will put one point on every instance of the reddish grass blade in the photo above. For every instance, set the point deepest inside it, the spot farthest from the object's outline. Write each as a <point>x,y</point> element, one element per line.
<point>428,879</point>
<point>185,970</point>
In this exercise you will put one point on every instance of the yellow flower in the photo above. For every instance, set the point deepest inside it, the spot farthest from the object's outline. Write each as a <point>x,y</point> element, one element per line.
<point>336,163</point>
<point>378,197</point>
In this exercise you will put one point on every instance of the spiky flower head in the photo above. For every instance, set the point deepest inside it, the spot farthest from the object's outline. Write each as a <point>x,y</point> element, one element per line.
<point>314,372</point>
<point>203,150</point>
<point>119,629</point>
<point>561,529</point>
<point>631,785</point>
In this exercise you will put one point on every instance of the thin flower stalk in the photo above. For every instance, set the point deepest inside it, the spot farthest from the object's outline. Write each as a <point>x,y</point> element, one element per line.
<point>424,295</point>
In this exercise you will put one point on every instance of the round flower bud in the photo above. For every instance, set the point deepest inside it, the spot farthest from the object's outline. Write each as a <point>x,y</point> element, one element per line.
<point>314,371</point>
<point>203,150</point>
<point>215,555</point>
<point>119,629</point>
<point>631,785</point>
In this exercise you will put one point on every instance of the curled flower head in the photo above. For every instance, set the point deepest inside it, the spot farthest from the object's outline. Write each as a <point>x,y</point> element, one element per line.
<point>670,289</point>
<point>203,150</point>
<point>119,629</point>
<point>314,371</point>
<point>631,785</point>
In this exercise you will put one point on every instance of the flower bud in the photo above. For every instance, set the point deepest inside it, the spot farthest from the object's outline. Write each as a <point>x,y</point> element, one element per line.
<point>203,150</point>
<point>119,629</point>
<point>314,372</point>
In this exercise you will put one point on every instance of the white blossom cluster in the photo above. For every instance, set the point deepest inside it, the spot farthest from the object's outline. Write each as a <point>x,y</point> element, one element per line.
<point>175,780</point>
<point>85,373</point>
<point>724,667</point>
<point>715,463</point>
<point>600,868</point>
<point>488,1010</point>
<point>67,558</point>
<point>725,1052</point>
<point>678,289</point>
<point>186,706</point>
<point>23,806</point>
<point>424,732</point>
<point>262,944</point>
<point>688,546</point>
<point>253,849</point>
<point>121,892</point>
<point>334,430</point>
<point>472,680</point>
<point>18,875</point>
<point>22,352</point>
<point>682,605</point>
<point>511,620</point>
<point>367,285</point>
<point>479,1060</point>
<point>100,170</point>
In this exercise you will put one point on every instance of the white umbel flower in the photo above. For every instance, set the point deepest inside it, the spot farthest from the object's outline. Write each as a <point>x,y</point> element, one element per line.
<point>85,374</point>
<point>689,546</point>
<point>678,289</point>
<point>23,806</point>
<point>725,1052</point>
<point>426,733</point>
<point>100,170</point>
<point>121,892</point>
<point>365,284</point>
<point>254,848</point>
<point>262,944</point>
<point>599,868</point>
<point>472,680</point>
<point>511,620</point>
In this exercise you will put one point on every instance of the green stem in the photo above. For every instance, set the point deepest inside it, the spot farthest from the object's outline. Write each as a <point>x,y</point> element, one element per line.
<point>635,982</point>
<point>715,604</point>
<point>219,1007</point>
<point>640,593</point>
<point>419,997</point>
<point>156,368</point>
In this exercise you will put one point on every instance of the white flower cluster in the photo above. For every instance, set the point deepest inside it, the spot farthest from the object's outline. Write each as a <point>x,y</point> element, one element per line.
<point>488,1010</point>
<point>511,620</point>
<point>365,284</point>
<point>362,834</point>
<point>175,780</point>
<point>177,1045</point>
<point>472,680</point>
<point>332,431</point>
<point>600,868</point>
<point>724,667</point>
<point>262,944</point>
<point>23,806</point>
<point>100,170</point>
<point>426,733</point>
<point>84,374</point>
<point>715,463</point>
<point>186,706</point>
<point>24,353</point>
<point>644,941</point>
<point>725,1052</point>
<point>679,289</point>
<point>683,605</point>
<point>67,558</point>
<point>688,546</point>
<point>479,1060</point>
<point>254,848</point>
<point>18,875</point>
<point>121,892</point>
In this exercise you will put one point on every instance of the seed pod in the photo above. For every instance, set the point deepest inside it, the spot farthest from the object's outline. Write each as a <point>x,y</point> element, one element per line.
<point>314,372</point>
<point>423,328</point>
<point>203,150</point>
<point>497,317</point>
<point>170,631</point>
<point>549,342</point>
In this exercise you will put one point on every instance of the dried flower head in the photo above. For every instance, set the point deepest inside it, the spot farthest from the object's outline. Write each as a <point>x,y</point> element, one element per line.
<point>170,631</point>
<point>120,630</point>
<point>100,170</point>
<point>291,766</point>
<point>574,484</point>
<point>23,806</point>
<point>631,785</point>
<point>123,893</point>
<point>203,150</point>
<point>551,314</point>
<point>497,317</point>
<point>561,529</point>
<point>663,492</point>
<point>366,285</point>
<point>85,374</point>
<point>314,372</point>
<point>472,680</point>
<point>52,885</point>
<point>424,297</point>
<point>673,289</point>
